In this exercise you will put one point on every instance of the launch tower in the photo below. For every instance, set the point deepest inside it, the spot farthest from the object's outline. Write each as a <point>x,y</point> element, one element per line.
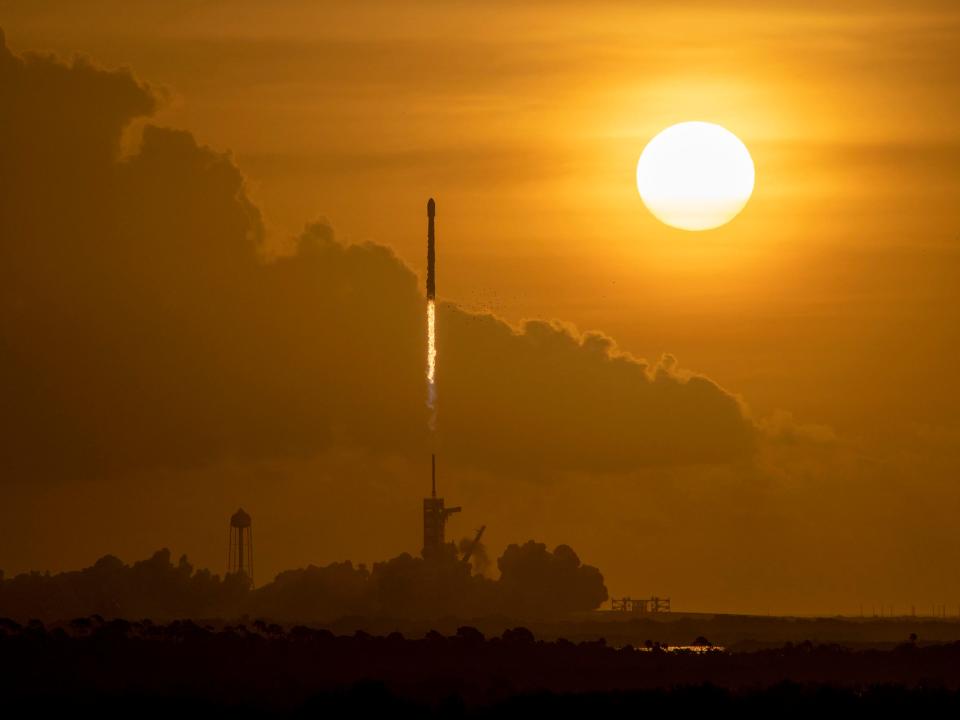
<point>435,515</point>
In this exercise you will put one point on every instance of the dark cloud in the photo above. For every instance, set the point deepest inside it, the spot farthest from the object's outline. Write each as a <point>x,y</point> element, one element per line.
<point>141,324</point>
<point>549,397</point>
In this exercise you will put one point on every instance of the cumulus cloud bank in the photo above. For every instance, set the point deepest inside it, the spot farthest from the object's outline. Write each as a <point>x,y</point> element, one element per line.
<point>142,325</point>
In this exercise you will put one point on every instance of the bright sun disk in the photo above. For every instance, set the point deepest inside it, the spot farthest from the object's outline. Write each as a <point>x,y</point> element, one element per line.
<point>695,176</point>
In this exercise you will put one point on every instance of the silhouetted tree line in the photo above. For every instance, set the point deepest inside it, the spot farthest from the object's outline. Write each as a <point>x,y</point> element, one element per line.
<point>533,582</point>
<point>143,666</point>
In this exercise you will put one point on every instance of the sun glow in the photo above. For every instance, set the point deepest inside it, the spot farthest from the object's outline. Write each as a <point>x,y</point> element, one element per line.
<point>695,176</point>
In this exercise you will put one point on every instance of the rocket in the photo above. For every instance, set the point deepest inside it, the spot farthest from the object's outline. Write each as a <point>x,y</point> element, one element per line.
<point>431,252</point>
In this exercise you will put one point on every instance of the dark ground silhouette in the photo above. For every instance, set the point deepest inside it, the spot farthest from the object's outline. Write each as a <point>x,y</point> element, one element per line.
<point>345,639</point>
<point>149,668</point>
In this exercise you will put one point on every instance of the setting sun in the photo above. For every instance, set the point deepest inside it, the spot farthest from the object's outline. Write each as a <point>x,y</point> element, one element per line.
<point>695,176</point>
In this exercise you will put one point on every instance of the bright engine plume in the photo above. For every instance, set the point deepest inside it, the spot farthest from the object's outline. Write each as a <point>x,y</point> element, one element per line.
<point>431,315</point>
<point>431,354</point>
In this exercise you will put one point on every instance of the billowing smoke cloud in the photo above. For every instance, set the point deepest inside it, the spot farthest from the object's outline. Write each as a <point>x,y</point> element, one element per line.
<point>141,324</point>
<point>533,577</point>
<point>479,558</point>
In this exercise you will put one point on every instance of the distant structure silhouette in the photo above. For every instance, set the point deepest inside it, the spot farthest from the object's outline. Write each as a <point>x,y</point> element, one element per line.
<point>435,515</point>
<point>473,545</point>
<point>640,606</point>
<point>240,550</point>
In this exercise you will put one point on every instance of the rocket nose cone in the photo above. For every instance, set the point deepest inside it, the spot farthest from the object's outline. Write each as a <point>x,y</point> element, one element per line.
<point>431,207</point>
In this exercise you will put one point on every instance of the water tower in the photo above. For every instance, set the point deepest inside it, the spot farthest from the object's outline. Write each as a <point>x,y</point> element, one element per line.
<point>240,552</point>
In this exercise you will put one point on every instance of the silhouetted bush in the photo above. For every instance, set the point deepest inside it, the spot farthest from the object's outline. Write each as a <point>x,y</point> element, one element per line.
<point>316,593</point>
<point>535,583</point>
<point>154,587</point>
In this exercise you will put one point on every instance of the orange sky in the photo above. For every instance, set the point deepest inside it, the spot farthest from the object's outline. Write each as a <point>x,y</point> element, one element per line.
<point>832,298</point>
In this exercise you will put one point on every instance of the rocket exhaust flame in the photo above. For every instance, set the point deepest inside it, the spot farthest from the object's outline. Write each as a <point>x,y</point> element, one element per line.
<point>431,356</point>
<point>431,316</point>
